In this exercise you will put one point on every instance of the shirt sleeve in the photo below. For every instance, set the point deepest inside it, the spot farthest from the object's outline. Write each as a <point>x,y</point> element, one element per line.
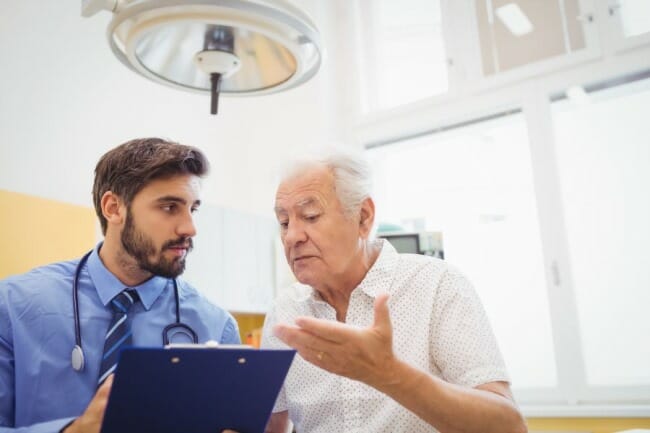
<point>7,398</point>
<point>230,334</point>
<point>53,426</point>
<point>7,384</point>
<point>464,347</point>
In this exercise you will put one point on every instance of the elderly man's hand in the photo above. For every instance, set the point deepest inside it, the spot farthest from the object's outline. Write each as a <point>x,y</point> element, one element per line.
<point>364,354</point>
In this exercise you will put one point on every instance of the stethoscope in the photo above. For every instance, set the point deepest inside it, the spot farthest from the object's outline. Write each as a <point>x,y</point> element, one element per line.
<point>178,327</point>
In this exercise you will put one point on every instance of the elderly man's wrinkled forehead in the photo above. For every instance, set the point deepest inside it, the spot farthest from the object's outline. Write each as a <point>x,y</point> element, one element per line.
<point>313,174</point>
<point>313,181</point>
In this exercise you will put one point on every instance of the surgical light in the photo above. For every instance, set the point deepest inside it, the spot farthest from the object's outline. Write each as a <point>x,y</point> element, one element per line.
<point>232,47</point>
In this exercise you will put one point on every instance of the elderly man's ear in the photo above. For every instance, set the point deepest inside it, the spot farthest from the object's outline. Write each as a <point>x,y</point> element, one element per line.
<point>366,217</point>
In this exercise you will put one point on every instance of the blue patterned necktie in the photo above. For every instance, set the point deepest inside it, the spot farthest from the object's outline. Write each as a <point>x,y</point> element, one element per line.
<point>119,333</point>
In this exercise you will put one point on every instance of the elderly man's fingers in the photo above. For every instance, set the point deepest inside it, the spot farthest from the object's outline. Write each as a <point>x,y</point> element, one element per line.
<point>309,346</point>
<point>289,334</point>
<point>382,314</point>
<point>315,356</point>
<point>295,336</point>
<point>327,329</point>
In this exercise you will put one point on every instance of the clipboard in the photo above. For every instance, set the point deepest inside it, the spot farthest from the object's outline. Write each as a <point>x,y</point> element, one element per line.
<point>195,390</point>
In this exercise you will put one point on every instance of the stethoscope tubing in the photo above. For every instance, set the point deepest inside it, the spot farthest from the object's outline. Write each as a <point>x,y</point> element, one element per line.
<point>78,360</point>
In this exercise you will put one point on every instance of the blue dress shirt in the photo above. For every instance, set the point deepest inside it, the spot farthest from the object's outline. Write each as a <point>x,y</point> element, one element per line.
<point>39,390</point>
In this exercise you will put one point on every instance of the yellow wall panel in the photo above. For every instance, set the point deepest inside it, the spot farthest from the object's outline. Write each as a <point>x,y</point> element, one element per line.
<point>590,425</point>
<point>36,231</point>
<point>250,326</point>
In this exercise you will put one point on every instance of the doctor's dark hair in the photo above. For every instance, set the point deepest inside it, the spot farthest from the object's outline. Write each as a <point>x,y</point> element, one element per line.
<point>129,167</point>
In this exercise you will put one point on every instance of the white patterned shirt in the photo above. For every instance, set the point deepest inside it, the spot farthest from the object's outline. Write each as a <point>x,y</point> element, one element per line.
<point>439,326</point>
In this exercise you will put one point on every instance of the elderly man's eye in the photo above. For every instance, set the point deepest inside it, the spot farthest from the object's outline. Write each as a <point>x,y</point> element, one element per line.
<point>311,218</point>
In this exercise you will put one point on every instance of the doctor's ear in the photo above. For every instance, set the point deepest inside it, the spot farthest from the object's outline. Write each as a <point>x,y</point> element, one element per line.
<point>112,208</point>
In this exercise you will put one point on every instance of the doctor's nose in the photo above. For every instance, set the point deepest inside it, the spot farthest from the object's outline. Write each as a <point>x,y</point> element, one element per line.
<point>187,228</point>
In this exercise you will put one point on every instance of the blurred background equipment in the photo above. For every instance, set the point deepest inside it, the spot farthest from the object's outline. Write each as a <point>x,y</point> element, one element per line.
<point>421,242</point>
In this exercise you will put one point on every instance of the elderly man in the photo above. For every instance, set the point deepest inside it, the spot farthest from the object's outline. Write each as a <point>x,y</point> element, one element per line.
<point>388,342</point>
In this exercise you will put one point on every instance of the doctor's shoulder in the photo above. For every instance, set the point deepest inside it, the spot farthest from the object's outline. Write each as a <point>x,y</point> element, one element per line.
<point>41,290</point>
<point>192,295</point>
<point>41,279</point>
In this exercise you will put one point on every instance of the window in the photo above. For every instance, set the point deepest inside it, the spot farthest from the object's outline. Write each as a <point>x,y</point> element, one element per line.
<point>512,34</point>
<point>603,154</point>
<point>634,16</point>
<point>477,183</point>
<point>629,23</point>
<point>403,55</point>
<point>545,209</point>
<point>474,184</point>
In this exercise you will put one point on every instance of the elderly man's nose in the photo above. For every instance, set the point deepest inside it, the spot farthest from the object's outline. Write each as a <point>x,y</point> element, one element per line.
<point>295,233</point>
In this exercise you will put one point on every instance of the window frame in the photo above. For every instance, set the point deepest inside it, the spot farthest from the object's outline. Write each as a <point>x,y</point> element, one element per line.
<point>612,27</point>
<point>364,34</point>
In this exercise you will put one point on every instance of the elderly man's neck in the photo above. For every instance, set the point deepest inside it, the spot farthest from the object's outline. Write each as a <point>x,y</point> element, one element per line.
<point>338,292</point>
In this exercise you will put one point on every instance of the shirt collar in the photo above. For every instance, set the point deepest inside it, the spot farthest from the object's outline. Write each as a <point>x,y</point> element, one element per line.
<point>379,277</point>
<point>377,280</point>
<point>108,285</point>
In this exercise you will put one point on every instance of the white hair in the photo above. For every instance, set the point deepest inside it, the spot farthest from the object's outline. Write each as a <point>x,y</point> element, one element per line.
<point>352,176</point>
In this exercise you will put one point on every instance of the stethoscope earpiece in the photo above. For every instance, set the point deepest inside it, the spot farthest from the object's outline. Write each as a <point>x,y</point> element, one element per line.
<point>77,357</point>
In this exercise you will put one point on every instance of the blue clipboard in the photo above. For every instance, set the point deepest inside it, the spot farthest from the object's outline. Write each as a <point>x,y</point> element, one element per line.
<point>188,390</point>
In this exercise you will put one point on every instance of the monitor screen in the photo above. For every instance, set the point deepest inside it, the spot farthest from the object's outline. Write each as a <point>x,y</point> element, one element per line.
<point>407,243</point>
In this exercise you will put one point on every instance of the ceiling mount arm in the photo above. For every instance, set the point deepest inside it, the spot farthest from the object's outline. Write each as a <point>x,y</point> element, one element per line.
<point>215,78</point>
<point>91,7</point>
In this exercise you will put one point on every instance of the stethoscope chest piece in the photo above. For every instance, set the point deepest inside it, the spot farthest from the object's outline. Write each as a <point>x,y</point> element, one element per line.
<point>78,360</point>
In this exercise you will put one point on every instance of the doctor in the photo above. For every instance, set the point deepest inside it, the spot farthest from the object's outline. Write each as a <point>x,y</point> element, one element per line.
<point>62,325</point>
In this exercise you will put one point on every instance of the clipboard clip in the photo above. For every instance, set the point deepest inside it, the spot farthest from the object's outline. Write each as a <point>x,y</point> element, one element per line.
<point>210,344</point>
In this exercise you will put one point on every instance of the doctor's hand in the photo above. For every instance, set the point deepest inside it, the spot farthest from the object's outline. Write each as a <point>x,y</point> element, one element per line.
<point>91,420</point>
<point>364,354</point>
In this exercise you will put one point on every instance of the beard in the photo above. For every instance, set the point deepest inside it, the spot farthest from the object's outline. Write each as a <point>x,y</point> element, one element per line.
<point>141,247</point>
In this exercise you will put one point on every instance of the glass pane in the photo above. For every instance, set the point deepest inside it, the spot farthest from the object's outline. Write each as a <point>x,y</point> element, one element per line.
<point>635,17</point>
<point>603,150</point>
<point>405,57</point>
<point>516,33</point>
<point>475,186</point>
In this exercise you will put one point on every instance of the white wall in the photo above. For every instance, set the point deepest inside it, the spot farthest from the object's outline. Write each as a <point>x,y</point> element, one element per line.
<point>65,100</point>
